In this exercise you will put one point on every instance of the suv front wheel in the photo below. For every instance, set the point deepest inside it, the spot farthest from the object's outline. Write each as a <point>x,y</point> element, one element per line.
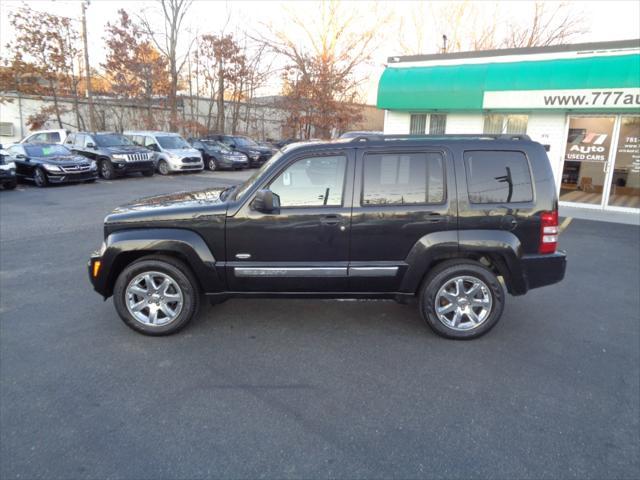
<point>461,299</point>
<point>106,169</point>
<point>156,295</point>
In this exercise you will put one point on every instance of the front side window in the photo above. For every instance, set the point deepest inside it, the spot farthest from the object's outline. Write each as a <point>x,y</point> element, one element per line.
<point>80,140</point>
<point>418,124</point>
<point>403,179</point>
<point>498,177</point>
<point>53,137</point>
<point>312,182</point>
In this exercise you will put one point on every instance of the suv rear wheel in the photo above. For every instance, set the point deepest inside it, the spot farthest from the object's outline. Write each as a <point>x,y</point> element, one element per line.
<point>461,299</point>
<point>156,295</point>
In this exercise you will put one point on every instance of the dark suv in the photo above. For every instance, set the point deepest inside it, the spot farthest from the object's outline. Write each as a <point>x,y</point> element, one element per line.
<point>257,154</point>
<point>449,221</point>
<point>114,153</point>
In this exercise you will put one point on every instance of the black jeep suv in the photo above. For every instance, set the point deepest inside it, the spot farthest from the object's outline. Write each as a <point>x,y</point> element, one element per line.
<point>114,153</point>
<point>451,221</point>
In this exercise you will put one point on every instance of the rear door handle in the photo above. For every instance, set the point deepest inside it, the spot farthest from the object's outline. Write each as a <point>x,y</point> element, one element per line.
<point>434,217</point>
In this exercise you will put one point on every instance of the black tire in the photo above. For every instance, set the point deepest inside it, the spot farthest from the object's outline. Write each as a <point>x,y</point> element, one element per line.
<point>148,173</point>
<point>443,275</point>
<point>40,178</point>
<point>211,164</point>
<point>11,185</point>
<point>163,168</point>
<point>179,273</point>
<point>105,167</point>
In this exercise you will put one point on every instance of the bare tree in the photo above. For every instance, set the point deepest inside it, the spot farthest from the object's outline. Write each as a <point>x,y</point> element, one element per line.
<point>551,24</point>
<point>322,75</point>
<point>173,12</point>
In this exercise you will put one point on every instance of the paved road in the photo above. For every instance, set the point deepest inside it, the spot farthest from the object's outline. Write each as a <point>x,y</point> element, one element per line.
<point>307,389</point>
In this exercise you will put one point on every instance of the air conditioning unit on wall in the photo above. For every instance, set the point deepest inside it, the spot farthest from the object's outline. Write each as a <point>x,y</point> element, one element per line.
<point>6,129</point>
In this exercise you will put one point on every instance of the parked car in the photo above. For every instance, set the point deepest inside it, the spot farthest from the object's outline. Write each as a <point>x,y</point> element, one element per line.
<point>257,155</point>
<point>448,221</point>
<point>217,155</point>
<point>172,152</point>
<point>7,170</point>
<point>47,136</point>
<point>114,153</point>
<point>45,163</point>
<point>360,133</point>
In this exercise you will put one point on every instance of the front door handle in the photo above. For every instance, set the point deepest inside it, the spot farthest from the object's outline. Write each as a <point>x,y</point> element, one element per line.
<point>330,220</point>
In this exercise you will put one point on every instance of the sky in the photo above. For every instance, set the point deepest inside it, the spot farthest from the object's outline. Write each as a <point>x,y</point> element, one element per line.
<point>603,21</point>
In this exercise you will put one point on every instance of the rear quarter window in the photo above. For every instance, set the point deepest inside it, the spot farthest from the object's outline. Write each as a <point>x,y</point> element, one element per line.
<point>498,177</point>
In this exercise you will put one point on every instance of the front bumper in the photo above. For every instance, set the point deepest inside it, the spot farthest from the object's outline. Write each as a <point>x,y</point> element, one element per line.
<point>57,177</point>
<point>130,167</point>
<point>7,177</point>
<point>542,270</point>
<point>182,166</point>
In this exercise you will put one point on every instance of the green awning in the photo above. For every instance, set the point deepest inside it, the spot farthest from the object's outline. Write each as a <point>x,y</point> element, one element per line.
<point>461,87</point>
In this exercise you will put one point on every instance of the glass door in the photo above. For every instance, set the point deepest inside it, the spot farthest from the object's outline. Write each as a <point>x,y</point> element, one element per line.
<point>587,155</point>
<point>624,191</point>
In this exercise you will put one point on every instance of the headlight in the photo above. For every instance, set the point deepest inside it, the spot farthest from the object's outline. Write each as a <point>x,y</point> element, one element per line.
<point>51,168</point>
<point>12,171</point>
<point>173,156</point>
<point>93,165</point>
<point>119,156</point>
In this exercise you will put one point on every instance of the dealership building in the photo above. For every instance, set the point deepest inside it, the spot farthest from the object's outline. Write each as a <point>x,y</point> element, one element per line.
<point>581,101</point>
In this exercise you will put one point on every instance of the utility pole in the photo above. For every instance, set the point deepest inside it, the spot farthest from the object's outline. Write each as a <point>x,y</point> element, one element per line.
<point>87,71</point>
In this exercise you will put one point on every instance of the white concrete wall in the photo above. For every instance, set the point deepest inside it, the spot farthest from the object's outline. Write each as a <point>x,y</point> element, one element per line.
<point>396,122</point>
<point>550,128</point>
<point>464,123</point>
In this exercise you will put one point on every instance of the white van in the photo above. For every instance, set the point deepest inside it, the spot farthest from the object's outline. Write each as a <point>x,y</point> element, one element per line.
<point>172,152</point>
<point>46,136</point>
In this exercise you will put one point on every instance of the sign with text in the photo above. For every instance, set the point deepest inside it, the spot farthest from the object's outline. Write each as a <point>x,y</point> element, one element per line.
<point>589,139</point>
<point>614,98</point>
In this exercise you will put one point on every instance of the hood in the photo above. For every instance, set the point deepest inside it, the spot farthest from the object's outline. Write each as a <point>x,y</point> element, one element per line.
<point>172,207</point>
<point>125,149</point>
<point>66,159</point>
<point>183,152</point>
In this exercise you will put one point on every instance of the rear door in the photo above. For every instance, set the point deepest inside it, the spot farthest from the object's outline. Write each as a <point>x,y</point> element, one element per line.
<point>399,197</point>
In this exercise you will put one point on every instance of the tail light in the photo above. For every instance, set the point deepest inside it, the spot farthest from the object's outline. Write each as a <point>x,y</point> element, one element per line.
<point>548,232</point>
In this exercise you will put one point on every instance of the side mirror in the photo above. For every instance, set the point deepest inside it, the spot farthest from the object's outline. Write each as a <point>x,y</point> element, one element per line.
<point>232,145</point>
<point>153,147</point>
<point>91,145</point>
<point>266,201</point>
<point>21,156</point>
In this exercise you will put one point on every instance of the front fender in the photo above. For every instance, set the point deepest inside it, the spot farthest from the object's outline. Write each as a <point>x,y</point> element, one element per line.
<point>123,247</point>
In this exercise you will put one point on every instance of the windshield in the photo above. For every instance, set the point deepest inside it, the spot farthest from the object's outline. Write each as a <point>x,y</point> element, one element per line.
<point>244,141</point>
<point>46,150</point>
<point>256,176</point>
<point>172,142</point>
<point>111,140</point>
<point>217,146</point>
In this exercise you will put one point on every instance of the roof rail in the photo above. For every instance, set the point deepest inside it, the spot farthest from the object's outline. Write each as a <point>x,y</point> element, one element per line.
<point>469,136</point>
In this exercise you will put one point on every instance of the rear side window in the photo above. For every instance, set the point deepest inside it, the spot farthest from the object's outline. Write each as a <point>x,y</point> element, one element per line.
<point>403,179</point>
<point>498,177</point>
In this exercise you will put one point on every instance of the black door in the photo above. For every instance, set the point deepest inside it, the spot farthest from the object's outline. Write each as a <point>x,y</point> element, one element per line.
<point>24,167</point>
<point>400,198</point>
<point>305,246</point>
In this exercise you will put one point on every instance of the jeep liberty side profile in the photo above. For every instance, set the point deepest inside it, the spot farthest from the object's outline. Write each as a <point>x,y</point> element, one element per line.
<point>452,221</point>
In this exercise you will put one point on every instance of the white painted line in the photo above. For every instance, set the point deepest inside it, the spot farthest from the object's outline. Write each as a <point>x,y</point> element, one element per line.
<point>565,223</point>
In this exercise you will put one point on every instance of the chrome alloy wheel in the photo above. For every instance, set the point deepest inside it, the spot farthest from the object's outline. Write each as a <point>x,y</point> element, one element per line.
<point>154,299</point>
<point>463,303</point>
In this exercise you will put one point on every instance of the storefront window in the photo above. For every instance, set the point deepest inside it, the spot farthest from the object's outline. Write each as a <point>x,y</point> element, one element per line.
<point>496,124</point>
<point>625,182</point>
<point>418,124</point>
<point>586,157</point>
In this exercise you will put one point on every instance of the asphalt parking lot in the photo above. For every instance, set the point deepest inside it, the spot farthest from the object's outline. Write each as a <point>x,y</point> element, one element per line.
<point>307,389</point>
